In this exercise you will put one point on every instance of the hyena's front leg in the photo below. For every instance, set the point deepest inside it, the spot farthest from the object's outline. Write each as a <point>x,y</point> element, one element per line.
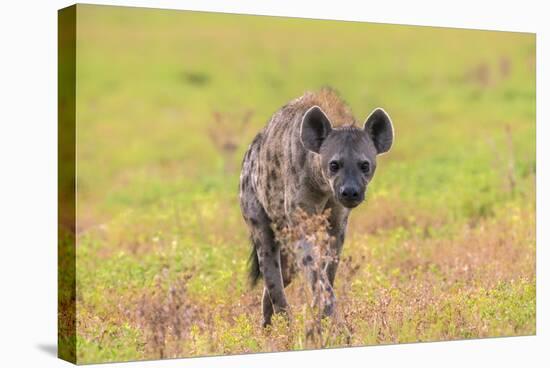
<point>320,268</point>
<point>338,221</point>
<point>315,268</point>
<point>269,260</point>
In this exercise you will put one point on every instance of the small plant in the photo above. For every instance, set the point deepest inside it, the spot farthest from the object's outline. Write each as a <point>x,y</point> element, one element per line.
<point>505,162</point>
<point>166,315</point>
<point>308,245</point>
<point>226,134</point>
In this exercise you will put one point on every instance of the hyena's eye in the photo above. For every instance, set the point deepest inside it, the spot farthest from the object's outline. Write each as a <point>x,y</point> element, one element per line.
<point>364,166</point>
<point>334,166</point>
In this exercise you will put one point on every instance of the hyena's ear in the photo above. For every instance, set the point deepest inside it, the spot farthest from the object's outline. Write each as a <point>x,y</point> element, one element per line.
<point>315,128</point>
<point>379,127</point>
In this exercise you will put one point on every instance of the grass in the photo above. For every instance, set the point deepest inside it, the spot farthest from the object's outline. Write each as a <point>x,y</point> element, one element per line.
<point>167,102</point>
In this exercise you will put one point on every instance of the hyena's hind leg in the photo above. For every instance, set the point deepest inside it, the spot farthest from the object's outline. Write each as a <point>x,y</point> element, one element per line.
<point>267,304</point>
<point>265,259</point>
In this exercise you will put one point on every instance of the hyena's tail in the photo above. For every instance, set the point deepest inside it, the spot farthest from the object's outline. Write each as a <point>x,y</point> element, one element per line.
<point>254,272</point>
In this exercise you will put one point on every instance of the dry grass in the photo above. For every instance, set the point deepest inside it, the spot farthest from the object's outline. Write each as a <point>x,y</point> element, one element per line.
<point>166,316</point>
<point>414,288</point>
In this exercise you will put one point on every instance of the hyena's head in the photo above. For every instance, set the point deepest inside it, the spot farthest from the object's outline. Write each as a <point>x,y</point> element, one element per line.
<point>347,154</point>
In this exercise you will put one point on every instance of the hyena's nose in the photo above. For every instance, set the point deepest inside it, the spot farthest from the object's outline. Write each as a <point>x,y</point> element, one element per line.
<point>349,193</point>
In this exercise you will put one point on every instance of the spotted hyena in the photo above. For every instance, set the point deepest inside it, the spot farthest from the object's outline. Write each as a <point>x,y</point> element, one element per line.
<point>314,156</point>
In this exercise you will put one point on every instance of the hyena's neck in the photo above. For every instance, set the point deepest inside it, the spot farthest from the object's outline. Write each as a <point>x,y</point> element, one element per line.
<point>318,181</point>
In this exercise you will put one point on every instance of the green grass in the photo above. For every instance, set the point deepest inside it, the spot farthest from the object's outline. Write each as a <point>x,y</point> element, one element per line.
<point>444,246</point>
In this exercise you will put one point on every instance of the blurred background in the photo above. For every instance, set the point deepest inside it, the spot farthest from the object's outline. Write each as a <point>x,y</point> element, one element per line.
<point>167,103</point>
